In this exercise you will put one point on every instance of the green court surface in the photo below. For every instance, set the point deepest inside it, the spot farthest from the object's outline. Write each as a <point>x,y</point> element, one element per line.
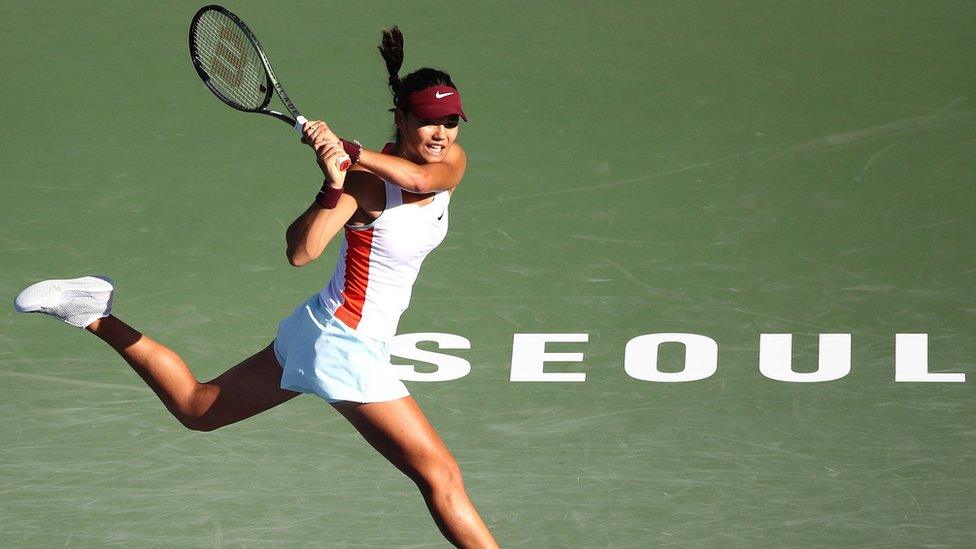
<point>726,169</point>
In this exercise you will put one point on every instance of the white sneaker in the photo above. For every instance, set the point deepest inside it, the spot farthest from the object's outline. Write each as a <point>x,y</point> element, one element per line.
<point>77,301</point>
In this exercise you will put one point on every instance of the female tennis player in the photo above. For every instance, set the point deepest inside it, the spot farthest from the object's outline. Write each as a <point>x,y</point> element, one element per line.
<point>393,209</point>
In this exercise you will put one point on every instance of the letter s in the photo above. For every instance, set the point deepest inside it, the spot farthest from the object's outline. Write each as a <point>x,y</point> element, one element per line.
<point>448,367</point>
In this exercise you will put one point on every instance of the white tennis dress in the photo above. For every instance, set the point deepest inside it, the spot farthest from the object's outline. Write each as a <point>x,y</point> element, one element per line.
<point>379,263</point>
<point>336,344</point>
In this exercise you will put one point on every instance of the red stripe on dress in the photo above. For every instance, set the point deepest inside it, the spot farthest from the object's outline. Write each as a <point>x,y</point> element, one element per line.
<point>359,244</point>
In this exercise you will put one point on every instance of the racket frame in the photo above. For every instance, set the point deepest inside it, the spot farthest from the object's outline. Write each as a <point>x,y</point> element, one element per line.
<point>296,120</point>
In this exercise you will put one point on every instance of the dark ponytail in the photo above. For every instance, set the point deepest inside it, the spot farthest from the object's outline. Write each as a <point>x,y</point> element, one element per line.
<point>391,48</point>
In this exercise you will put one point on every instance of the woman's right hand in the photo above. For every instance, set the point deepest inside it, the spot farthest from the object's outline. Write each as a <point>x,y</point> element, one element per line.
<point>328,150</point>
<point>328,155</point>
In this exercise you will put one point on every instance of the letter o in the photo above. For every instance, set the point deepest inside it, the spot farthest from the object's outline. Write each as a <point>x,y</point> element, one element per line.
<point>701,357</point>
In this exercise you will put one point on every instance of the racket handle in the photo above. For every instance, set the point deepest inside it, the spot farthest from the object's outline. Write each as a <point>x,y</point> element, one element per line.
<point>300,123</point>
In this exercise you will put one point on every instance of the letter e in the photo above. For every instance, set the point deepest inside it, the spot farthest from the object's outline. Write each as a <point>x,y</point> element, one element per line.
<point>529,357</point>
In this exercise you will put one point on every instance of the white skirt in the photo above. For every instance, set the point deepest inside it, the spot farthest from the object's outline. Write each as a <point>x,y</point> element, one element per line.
<point>319,354</point>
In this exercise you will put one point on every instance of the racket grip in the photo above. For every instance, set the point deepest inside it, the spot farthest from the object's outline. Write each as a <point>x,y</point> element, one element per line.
<point>300,123</point>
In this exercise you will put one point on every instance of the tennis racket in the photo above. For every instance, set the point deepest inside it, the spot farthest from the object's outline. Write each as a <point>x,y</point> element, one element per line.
<point>231,62</point>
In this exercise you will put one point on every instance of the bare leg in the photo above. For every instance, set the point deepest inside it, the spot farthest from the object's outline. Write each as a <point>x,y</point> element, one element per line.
<point>400,431</point>
<point>246,389</point>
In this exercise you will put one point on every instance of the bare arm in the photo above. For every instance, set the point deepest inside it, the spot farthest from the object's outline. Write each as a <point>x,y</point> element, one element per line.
<point>418,178</point>
<point>308,235</point>
<point>406,174</point>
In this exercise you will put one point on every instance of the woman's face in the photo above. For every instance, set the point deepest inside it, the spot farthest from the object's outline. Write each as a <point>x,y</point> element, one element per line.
<point>423,140</point>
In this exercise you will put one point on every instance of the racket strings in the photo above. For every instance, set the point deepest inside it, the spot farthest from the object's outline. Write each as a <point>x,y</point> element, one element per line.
<point>226,54</point>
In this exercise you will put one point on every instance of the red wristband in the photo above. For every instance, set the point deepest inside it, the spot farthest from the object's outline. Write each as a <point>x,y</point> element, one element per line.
<point>353,148</point>
<point>328,197</point>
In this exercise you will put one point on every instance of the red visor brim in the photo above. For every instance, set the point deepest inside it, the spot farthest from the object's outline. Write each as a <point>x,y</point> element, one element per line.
<point>437,111</point>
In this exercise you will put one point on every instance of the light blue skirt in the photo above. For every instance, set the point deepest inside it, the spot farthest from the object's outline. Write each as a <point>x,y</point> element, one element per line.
<point>319,354</point>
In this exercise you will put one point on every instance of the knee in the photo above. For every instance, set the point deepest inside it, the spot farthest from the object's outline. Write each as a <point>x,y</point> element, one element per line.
<point>441,475</point>
<point>197,413</point>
